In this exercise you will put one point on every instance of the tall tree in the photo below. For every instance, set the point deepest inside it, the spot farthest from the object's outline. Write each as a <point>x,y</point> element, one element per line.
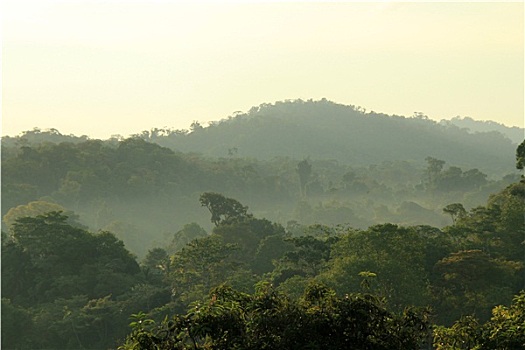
<point>455,210</point>
<point>204,263</point>
<point>433,171</point>
<point>470,282</point>
<point>223,208</point>
<point>304,169</point>
<point>520,156</point>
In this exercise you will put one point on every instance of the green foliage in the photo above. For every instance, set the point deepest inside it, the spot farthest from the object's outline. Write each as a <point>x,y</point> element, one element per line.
<point>203,264</point>
<point>455,210</point>
<point>520,156</point>
<point>327,130</point>
<point>63,281</point>
<point>504,331</point>
<point>156,265</point>
<point>514,133</point>
<point>470,282</point>
<point>308,258</point>
<point>506,328</point>
<point>249,235</point>
<point>141,191</point>
<point>184,236</point>
<point>434,169</point>
<point>452,179</point>
<point>304,169</point>
<point>223,209</point>
<point>395,254</point>
<point>16,325</point>
<point>65,287</point>
<point>496,228</point>
<point>38,208</point>
<point>464,334</point>
<point>267,319</point>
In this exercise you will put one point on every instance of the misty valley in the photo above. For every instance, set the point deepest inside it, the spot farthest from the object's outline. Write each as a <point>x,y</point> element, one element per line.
<point>295,225</point>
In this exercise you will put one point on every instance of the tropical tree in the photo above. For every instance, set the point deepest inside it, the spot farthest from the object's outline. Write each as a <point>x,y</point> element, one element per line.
<point>470,282</point>
<point>455,210</point>
<point>506,328</point>
<point>188,233</point>
<point>433,171</point>
<point>69,282</point>
<point>202,264</point>
<point>267,319</point>
<point>504,331</point>
<point>223,208</point>
<point>304,169</point>
<point>395,254</point>
<point>520,156</point>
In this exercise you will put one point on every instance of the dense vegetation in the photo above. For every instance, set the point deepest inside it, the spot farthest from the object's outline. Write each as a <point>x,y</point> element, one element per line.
<point>144,192</point>
<point>393,255</point>
<point>269,320</point>
<point>79,288</point>
<point>347,134</point>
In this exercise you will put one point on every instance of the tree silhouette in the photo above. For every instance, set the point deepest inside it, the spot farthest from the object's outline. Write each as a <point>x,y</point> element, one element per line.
<point>304,169</point>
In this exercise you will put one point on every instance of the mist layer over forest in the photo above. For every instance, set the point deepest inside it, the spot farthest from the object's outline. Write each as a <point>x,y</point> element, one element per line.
<point>298,192</point>
<point>362,168</point>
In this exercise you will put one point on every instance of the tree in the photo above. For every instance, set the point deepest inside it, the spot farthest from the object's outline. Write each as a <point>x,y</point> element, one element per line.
<point>270,249</point>
<point>30,209</point>
<point>16,325</point>
<point>267,319</point>
<point>504,331</point>
<point>308,258</point>
<point>474,178</point>
<point>202,264</point>
<point>464,334</point>
<point>156,264</point>
<point>196,126</point>
<point>185,235</point>
<point>455,210</point>
<point>520,156</point>
<point>18,272</point>
<point>71,284</point>
<point>65,260</point>
<point>247,234</point>
<point>222,208</point>
<point>496,228</point>
<point>470,282</point>
<point>304,169</point>
<point>395,254</point>
<point>433,170</point>
<point>509,232</point>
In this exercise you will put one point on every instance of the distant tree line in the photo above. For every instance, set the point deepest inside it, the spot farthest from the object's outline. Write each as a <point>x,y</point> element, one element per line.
<point>144,192</point>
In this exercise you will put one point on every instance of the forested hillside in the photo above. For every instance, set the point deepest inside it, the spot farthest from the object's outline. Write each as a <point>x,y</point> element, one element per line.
<point>296,225</point>
<point>514,133</point>
<point>325,130</point>
<point>144,192</point>
<point>348,134</point>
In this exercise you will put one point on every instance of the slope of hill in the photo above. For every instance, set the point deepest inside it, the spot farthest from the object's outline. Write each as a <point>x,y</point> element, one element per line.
<point>326,130</point>
<point>514,133</point>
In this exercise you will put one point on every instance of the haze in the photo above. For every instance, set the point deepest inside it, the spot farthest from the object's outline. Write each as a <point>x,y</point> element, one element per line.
<point>120,67</point>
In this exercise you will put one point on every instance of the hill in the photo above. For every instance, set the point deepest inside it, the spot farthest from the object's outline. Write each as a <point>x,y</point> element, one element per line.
<point>345,133</point>
<point>514,133</point>
<point>360,169</point>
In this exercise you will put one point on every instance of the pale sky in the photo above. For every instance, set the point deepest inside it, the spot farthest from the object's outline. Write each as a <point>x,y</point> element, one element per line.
<point>119,67</point>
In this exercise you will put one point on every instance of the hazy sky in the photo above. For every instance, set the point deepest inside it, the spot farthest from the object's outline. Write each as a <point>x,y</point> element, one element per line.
<point>119,67</point>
